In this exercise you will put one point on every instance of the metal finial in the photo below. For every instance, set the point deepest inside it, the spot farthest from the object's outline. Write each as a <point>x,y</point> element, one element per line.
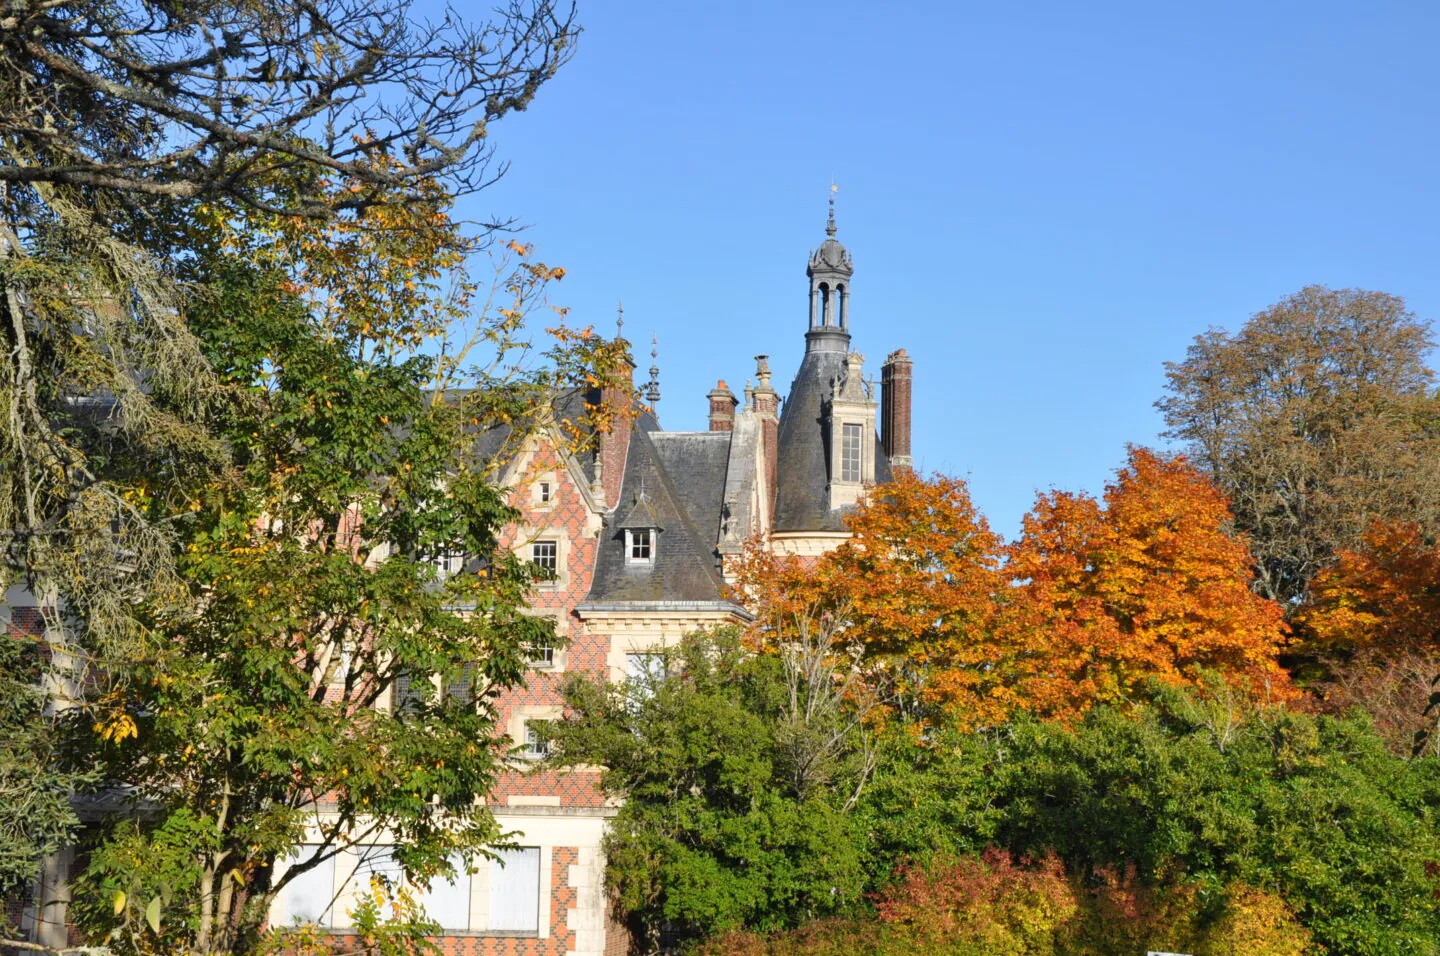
<point>830,225</point>
<point>620,321</point>
<point>652,389</point>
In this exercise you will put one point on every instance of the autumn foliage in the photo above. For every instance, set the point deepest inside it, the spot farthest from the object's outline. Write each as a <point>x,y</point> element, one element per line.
<point>1096,597</point>
<point>997,904</point>
<point>1382,597</point>
<point>1143,584</point>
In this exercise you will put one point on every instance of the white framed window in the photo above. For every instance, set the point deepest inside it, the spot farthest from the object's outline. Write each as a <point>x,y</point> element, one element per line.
<point>536,746</point>
<point>515,890</point>
<point>545,555</point>
<point>310,897</point>
<point>851,442</point>
<point>542,491</point>
<point>447,902</point>
<point>542,658</point>
<point>639,546</point>
<point>642,672</point>
<point>448,564</point>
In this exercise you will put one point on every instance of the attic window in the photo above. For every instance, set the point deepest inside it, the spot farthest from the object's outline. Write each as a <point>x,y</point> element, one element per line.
<point>544,492</point>
<point>639,546</point>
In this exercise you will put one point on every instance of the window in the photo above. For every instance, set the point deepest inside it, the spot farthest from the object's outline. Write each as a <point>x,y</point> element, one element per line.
<point>543,554</point>
<point>850,443</point>
<point>536,746</point>
<point>642,673</point>
<point>542,491</point>
<point>639,546</point>
<point>542,657</point>
<point>449,563</point>
<point>308,898</point>
<point>447,902</point>
<point>515,890</point>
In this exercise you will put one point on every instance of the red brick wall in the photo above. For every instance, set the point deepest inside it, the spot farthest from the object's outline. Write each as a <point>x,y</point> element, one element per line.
<point>566,518</point>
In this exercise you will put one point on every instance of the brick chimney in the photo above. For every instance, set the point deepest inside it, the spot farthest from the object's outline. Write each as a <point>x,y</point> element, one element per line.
<point>895,409</point>
<point>765,402</point>
<point>618,404</point>
<point>722,408</point>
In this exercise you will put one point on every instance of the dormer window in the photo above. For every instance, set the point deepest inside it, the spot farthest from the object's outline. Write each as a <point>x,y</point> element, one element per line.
<point>639,545</point>
<point>543,492</point>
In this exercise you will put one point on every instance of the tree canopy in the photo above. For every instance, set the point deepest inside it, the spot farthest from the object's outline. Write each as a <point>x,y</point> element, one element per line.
<point>1316,418</point>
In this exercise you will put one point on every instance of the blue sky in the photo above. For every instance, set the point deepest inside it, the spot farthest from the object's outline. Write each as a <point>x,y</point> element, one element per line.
<point>1045,200</point>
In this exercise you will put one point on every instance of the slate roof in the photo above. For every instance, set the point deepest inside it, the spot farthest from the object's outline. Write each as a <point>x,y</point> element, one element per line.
<point>696,463</point>
<point>802,499</point>
<point>685,566</point>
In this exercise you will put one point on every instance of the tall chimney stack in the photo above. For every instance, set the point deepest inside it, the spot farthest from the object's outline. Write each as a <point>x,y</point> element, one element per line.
<point>895,409</point>
<point>765,402</point>
<point>722,408</point>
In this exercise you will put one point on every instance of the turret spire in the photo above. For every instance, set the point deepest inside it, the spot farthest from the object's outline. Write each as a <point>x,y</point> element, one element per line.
<point>829,271</point>
<point>652,389</point>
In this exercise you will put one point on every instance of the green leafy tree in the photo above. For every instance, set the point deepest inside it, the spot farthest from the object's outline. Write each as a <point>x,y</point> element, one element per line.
<point>35,813</point>
<point>1206,788</point>
<point>721,827</point>
<point>286,710</point>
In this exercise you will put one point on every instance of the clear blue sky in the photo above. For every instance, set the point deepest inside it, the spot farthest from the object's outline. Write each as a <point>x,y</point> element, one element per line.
<point>1045,200</point>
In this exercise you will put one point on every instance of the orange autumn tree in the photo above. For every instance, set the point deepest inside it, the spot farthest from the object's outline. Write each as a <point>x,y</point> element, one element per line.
<point>1146,583</point>
<point>1097,597</point>
<point>915,595</point>
<point>1382,597</point>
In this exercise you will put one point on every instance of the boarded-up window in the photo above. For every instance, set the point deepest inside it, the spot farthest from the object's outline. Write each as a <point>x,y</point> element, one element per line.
<point>850,441</point>
<point>515,890</point>
<point>308,897</point>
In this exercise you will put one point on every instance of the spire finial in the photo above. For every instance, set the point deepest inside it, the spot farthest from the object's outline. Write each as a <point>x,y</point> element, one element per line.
<point>620,321</point>
<point>830,225</point>
<point>652,390</point>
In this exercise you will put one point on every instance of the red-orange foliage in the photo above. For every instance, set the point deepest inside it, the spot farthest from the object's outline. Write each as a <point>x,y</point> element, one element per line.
<point>1382,597</point>
<point>1146,585</point>
<point>1095,598</point>
<point>920,586</point>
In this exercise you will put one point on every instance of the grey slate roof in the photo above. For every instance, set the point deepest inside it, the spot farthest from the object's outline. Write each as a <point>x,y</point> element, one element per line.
<point>696,463</point>
<point>802,500</point>
<point>685,566</point>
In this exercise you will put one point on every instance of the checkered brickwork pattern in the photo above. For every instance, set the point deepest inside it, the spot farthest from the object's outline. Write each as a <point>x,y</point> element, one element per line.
<point>567,519</point>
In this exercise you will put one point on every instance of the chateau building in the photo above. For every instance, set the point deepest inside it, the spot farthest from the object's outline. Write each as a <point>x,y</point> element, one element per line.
<point>641,535</point>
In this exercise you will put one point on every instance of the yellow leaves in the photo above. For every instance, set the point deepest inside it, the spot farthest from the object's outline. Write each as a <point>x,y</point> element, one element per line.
<point>120,726</point>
